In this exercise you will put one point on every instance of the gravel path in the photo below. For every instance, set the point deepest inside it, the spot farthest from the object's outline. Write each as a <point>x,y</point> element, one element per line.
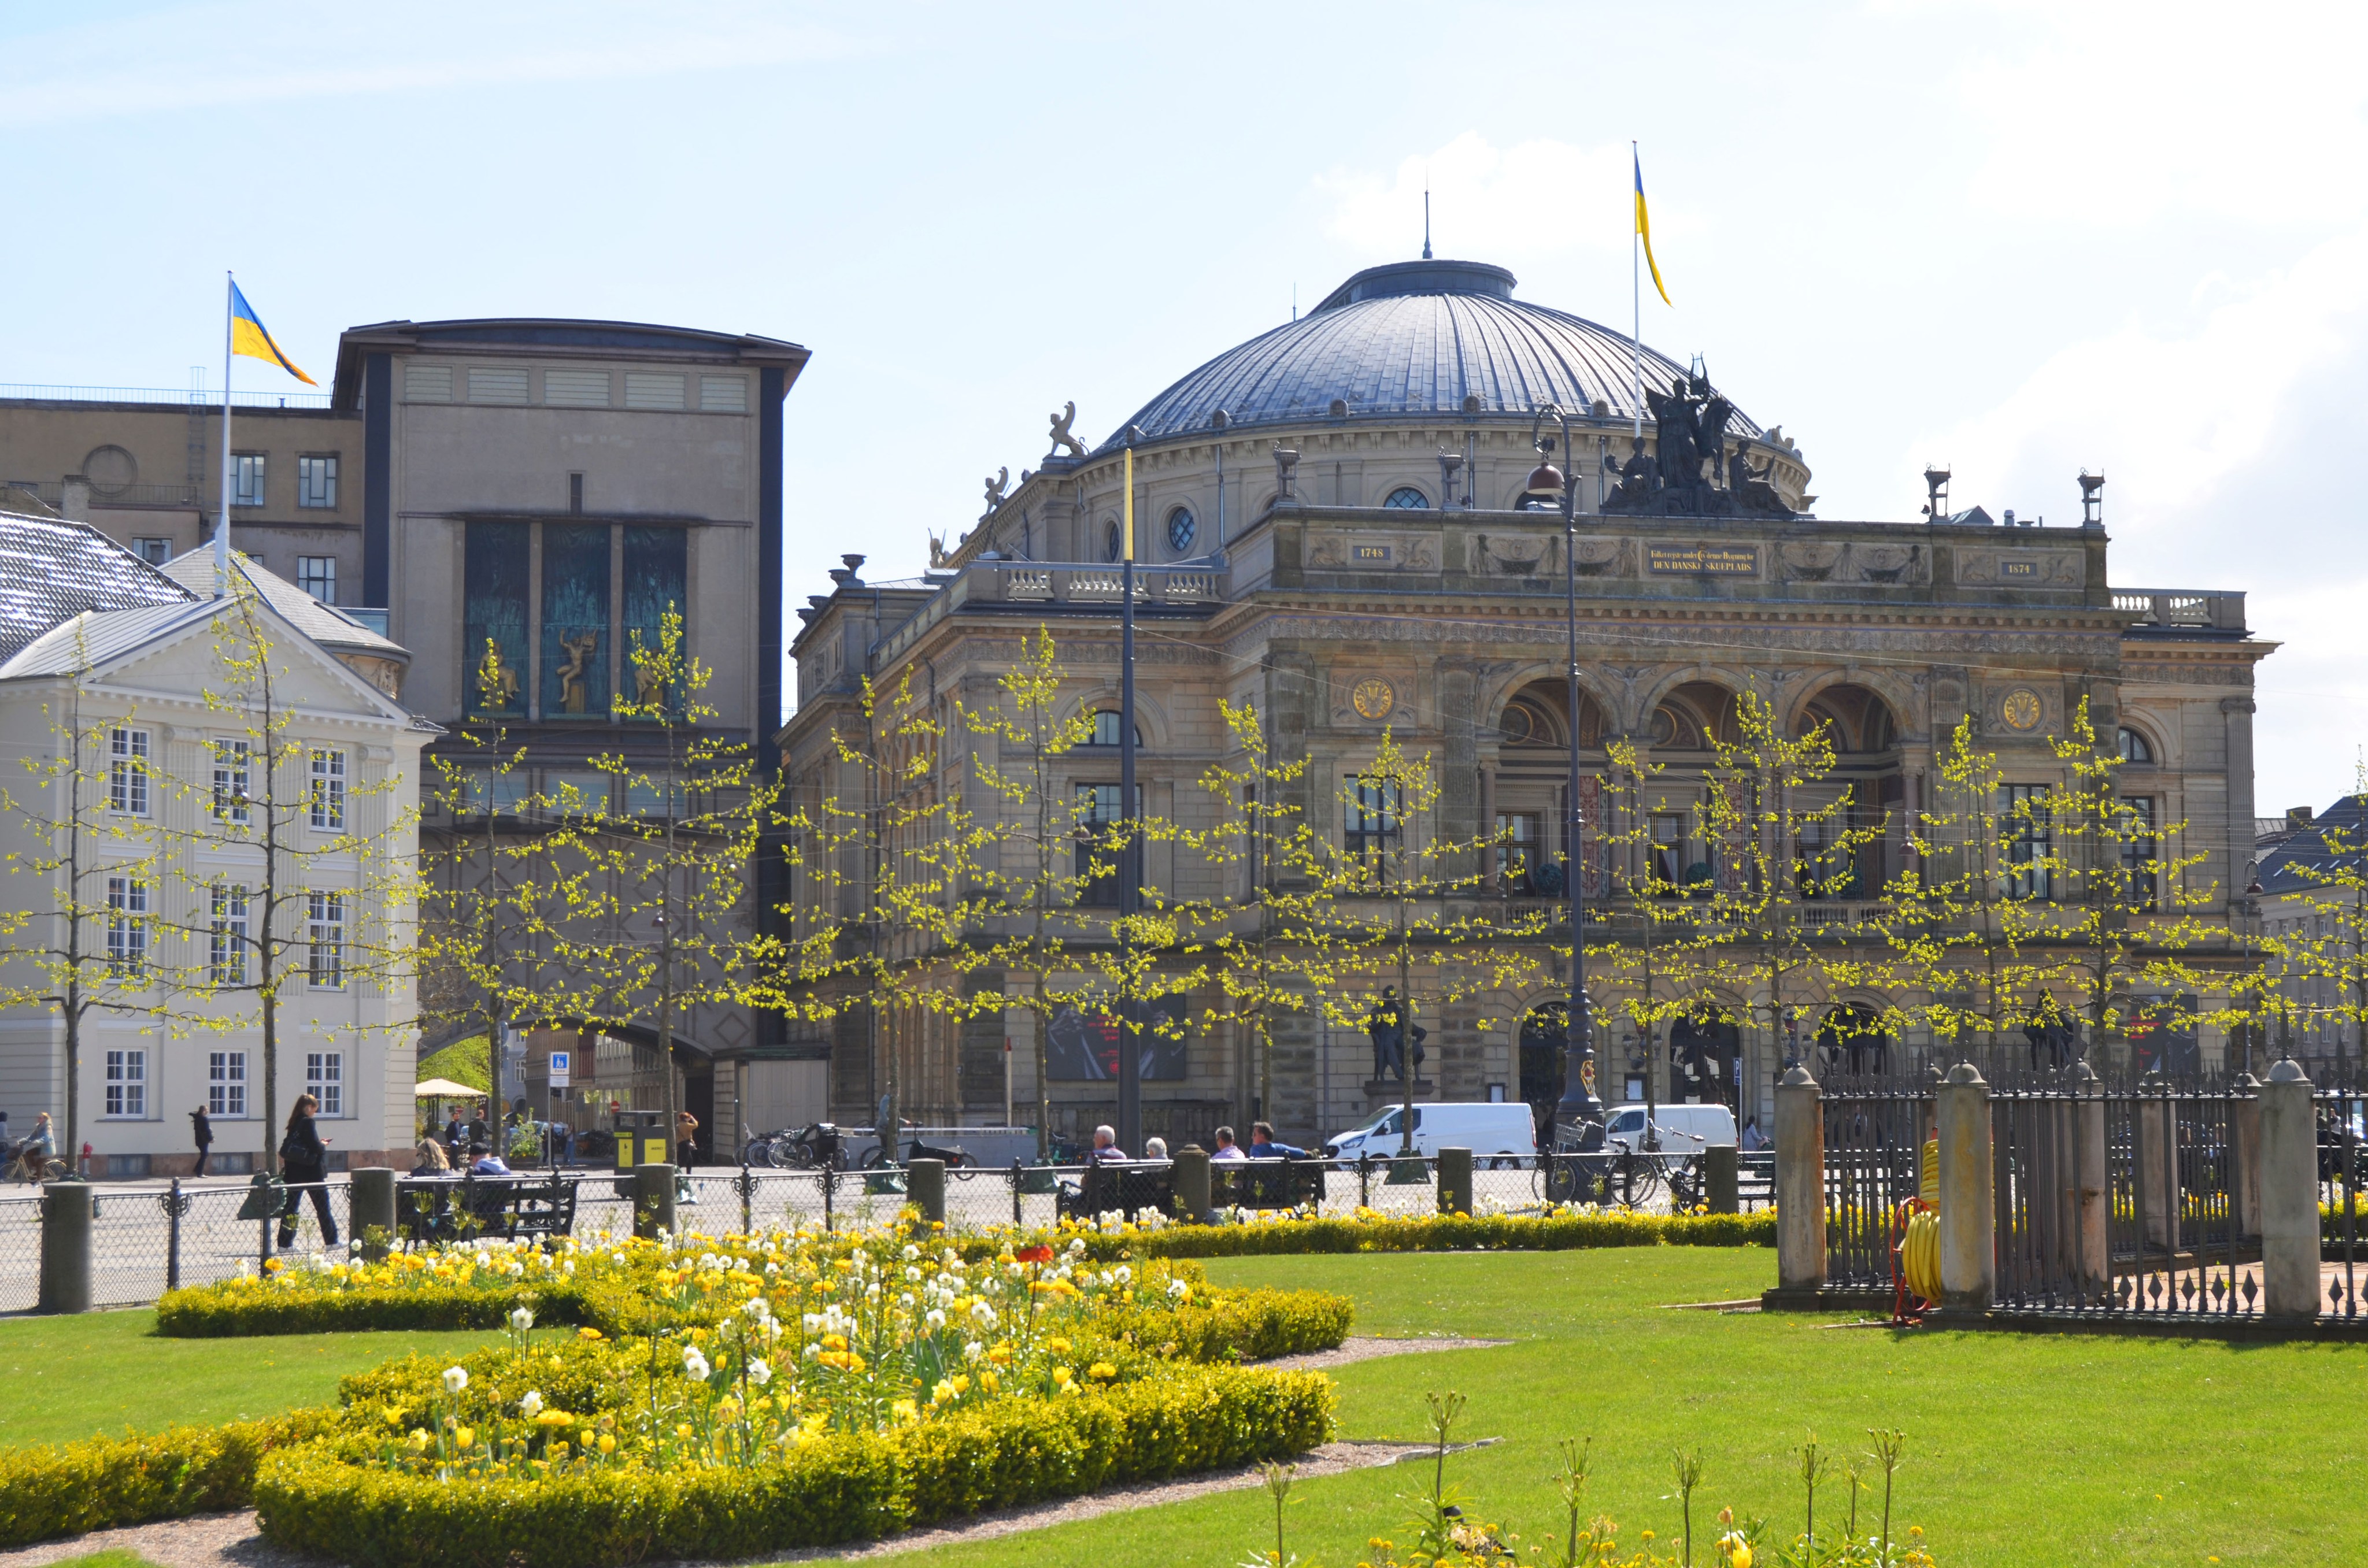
<point>229,1540</point>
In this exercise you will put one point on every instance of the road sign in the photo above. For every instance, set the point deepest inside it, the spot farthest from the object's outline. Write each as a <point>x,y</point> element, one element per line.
<point>559,1069</point>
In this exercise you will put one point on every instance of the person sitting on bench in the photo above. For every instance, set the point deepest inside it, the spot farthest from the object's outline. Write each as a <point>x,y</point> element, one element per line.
<point>1264,1147</point>
<point>1226,1148</point>
<point>483,1161</point>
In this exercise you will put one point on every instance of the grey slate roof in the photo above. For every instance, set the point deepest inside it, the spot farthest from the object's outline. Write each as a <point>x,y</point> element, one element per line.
<point>93,637</point>
<point>323,624</point>
<point>52,570</point>
<point>1413,339</point>
<point>2305,849</point>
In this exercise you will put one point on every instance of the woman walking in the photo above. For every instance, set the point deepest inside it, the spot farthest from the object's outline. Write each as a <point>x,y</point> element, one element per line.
<point>201,1129</point>
<point>303,1162</point>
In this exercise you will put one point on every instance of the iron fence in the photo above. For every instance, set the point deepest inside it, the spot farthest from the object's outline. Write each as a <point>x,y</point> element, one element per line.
<point>1874,1137</point>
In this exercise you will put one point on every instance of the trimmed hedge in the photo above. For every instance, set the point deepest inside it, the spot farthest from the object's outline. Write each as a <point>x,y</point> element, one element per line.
<point>315,1498</point>
<point>1453,1233</point>
<point>68,1489</point>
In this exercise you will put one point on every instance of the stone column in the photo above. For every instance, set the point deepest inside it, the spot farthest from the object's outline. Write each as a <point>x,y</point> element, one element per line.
<point>2245,1163</point>
<point>2236,714</point>
<point>2289,1195</point>
<point>2150,1161</point>
<point>67,1209</point>
<point>1800,1183</point>
<point>1488,852</point>
<point>1968,1220</point>
<point>372,1197</point>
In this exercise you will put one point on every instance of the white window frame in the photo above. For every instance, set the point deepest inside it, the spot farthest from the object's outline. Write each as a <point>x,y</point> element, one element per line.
<point>127,926</point>
<point>127,770</point>
<point>245,467</point>
<point>126,1095</point>
<point>328,808</point>
<point>324,938</point>
<point>316,481</point>
<point>226,1085</point>
<point>154,549</point>
<point>317,575</point>
<point>233,780</point>
<point>229,934</point>
<point>325,1080</point>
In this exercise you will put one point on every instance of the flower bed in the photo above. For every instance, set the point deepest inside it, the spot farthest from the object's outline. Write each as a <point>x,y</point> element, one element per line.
<point>1367,1231</point>
<point>758,1394</point>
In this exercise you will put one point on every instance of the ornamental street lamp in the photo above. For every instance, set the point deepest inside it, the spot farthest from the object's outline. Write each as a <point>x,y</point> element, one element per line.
<point>1580,1102</point>
<point>1130,866</point>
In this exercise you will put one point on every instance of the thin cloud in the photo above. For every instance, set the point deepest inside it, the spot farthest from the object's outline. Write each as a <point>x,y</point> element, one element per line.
<point>217,56</point>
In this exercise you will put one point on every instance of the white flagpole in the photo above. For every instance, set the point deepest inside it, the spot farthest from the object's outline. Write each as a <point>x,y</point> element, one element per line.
<point>1635,293</point>
<point>221,527</point>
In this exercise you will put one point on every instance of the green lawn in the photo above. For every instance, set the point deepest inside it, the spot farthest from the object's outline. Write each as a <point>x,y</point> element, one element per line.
<point>2054,1449</point>
<point>76,1377</point>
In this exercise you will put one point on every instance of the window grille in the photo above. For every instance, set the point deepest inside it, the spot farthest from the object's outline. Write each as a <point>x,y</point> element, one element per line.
<point>1371,827</point>
<point>317,575</point>
<point>127,1085</point>
<point>234,776</point>
<point>325,932</point>
<point>226,1083</point>
<point>328,789</point>
<point>246,479</point>
<point>316,481</point>
<point>227,934</point>
<point>325,1080</point>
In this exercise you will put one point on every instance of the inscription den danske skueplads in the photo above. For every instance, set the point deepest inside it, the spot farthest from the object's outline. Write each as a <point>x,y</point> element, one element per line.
<point>1694,560</point>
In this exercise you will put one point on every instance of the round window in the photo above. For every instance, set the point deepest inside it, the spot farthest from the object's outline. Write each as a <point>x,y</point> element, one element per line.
<point>1518,726</point>
<point>1112,544</point>
<point>1180,530</point>
<point>1407,498</point>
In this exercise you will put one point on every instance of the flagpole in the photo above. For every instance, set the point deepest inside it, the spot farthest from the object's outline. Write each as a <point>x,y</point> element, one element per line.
<point>1636,295</point>
<point>221,528</point>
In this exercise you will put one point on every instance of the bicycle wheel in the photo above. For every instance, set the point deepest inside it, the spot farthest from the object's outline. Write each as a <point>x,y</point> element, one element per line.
<point>787,1154</point>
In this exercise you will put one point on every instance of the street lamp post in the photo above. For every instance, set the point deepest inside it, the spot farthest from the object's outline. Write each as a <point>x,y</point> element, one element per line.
<point>1580,1101</point>
<point>1129,869</point>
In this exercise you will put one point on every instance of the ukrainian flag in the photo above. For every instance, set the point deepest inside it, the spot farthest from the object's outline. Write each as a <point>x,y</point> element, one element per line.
<point>1643,231</point>
<point>248,336</point>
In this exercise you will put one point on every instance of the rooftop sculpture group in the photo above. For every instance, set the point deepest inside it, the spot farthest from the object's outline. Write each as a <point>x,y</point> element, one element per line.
<point>1689,474</point>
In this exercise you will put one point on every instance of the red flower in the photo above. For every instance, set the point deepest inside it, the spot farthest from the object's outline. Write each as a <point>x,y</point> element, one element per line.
<point>1035,1254</point>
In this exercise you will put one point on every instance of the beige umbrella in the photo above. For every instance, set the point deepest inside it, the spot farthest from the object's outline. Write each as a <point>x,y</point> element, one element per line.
<point>445,1089</point>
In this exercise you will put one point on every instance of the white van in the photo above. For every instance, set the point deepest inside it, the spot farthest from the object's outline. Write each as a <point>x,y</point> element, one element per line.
<point>1490,1129</point>
<point>1685,1128</point>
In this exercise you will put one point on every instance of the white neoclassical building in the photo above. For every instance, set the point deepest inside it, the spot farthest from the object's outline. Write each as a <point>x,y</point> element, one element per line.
<point>208,795</point>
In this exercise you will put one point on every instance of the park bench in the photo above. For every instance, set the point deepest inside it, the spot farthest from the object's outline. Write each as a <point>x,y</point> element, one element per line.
<point>1128,1189</point>
<point>462,1208</point>
<point>1265,1184</point>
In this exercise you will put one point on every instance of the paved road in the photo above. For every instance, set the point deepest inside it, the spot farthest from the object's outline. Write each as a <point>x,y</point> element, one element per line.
<point>134,1241</point>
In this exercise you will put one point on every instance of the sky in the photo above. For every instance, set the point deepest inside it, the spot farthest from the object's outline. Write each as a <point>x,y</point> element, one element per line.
<point>2018,239</point>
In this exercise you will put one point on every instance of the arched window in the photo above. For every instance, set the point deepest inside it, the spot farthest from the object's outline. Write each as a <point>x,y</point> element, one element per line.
<point>2135,747</point>
<point>1105,730</point>
<point>1180,530</point>
<point>1113,542</point>
<point>1407,498</point>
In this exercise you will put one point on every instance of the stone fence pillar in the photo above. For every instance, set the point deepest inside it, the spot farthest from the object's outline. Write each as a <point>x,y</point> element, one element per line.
<point>2090,1240</point>
<point>372,1195</point>
<point>1800,1183</point>
<point>2245,1163</point>
<point>1455,1181</point>
<point>1968,1220</point>
<point>925,1184</point>
<point>67,1209</point>
<point>2290,1286</point>
<point>1190,1175</point>
<point>652,1201</point>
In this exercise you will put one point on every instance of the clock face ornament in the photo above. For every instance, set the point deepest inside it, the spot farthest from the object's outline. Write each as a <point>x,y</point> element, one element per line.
<point>2021,709</point>
<point>1373,698</point>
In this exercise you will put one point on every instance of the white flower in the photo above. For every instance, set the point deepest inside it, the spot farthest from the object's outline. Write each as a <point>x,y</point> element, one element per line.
<point>757,1308</point>
<point>455,1379</point>
<point>913,1274</point>
<point>531,1405</point>
<point>1125,1273</point>
<point>694,1365</point>
<point>982,1314</point>
<point>905,1300</point>
<point>911,1253</point>
<point>759,1373</point>
<point>813,1351</point>
<point>771,1269</point>
<point>973,1350</point>
<point>522,1319</point>
<point>936,1319</point>
<point>1076,1246</point>
<point>811,1322</point>
<point>1178,1289</point>
<point>950,1258</point>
